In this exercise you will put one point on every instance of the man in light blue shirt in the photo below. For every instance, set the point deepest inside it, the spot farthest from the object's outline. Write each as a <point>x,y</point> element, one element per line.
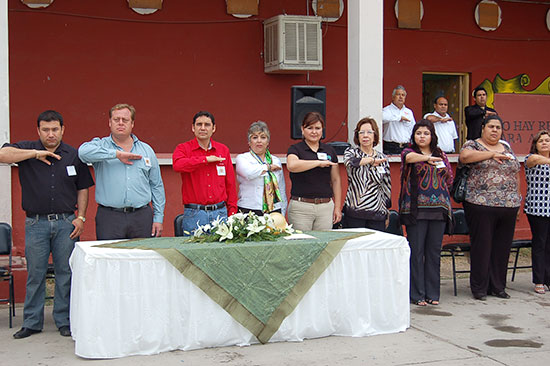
<point>127,179</point>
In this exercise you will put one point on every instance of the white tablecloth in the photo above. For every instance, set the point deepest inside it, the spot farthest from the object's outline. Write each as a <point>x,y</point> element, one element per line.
<point>134,302</point>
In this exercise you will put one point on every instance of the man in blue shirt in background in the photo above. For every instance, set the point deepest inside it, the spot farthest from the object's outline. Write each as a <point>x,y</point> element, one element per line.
<point>127,179</point>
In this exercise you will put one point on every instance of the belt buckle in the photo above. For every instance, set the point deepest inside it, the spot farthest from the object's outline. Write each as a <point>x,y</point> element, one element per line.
<point>127,209</point>
<point>209,207</point>
<point>52,217</point>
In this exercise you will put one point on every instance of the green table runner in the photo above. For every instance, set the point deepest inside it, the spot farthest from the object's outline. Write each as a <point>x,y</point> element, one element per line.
<point>258,283</point>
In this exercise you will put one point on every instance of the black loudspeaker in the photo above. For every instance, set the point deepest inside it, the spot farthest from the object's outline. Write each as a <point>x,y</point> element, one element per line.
<point>304,99</point>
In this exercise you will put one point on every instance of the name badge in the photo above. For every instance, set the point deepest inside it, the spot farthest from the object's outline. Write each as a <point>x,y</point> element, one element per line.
<point>440,164</point>
<point>322,156</point>
<point>380,169</point>
<point>221,170</point>
<point>147,161</point>
<point>511,156</point>
<point>71,171</point>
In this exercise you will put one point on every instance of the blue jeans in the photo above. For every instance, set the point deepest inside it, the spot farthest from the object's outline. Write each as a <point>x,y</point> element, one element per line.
<point>41,238</point>
<point>193,217</point>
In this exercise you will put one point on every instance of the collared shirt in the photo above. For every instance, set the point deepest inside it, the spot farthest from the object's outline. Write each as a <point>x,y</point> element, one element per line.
<point>250,175</point>
<point>205,183</point>
<point>123,185</point>
<point>51,188</point>
<point>446,132</point>
<point>396,130</point>
<point>316,182</point>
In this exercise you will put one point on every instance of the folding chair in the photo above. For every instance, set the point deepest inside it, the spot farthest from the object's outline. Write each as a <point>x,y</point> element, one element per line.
<point>394,225</point>
<point>6,273</point>
<point>178,229</point>
<point>457,249</point>
<point>517,245</point>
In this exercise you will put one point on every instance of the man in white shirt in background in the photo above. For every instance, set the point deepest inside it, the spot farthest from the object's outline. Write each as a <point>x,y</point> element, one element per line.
<point>444,125</point>
<point>398,122</point>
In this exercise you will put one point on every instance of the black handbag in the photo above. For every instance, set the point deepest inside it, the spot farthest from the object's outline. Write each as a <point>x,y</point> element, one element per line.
<point>459,188</point>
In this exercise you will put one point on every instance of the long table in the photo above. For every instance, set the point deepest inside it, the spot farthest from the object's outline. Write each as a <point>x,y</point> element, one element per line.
<point>134,302</point>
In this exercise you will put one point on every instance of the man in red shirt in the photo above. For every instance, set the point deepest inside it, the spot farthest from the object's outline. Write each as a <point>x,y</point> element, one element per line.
<point>207,175</point>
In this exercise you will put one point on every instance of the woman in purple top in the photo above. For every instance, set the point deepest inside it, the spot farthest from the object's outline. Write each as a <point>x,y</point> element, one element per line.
<point>425,209</point>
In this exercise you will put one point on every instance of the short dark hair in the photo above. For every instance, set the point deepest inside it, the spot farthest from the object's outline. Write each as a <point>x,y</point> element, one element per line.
<point>374,127</point>
<point>49,116</point>
<point>436,151</point>
<point>312,118</point>
<point>479,88</point>
<point>536,139</point>
<point>204,114</point>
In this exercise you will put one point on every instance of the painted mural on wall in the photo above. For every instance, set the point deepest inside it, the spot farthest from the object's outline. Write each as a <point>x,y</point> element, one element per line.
<point>524,111</point>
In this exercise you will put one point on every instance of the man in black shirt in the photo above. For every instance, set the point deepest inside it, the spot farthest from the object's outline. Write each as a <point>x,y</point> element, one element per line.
<point>54,182</point>
<point>476,113</point>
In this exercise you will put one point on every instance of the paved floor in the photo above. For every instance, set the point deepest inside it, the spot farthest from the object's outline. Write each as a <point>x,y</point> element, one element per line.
<point>461,331</point>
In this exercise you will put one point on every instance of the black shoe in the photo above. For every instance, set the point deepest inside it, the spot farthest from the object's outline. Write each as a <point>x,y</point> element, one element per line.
<point>25,332</point>
<point>481,297</point>
<point>501,294</point>
<point>65,331</point>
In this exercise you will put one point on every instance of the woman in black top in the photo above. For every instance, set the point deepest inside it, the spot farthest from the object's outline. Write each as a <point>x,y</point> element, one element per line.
<point>315,178</point>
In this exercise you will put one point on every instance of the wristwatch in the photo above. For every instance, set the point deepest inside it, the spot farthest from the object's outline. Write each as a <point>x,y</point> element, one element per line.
<point>82,218</point>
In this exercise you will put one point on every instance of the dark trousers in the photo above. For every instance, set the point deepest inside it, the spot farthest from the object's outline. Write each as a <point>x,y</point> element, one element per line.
<point>393,148</point>
<point>540,251</point>
<point>111,224</point>
<point>491,235</point>
<point>257,212</point>
<point>352,222</point>
<point>425,241</point>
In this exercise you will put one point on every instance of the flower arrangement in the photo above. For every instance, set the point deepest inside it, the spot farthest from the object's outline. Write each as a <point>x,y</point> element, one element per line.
<point>240,227</point>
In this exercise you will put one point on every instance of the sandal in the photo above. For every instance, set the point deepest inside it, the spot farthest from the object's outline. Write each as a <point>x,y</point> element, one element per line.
<point>420,303</point>
<point>432,302</point>
<point>539,289</point>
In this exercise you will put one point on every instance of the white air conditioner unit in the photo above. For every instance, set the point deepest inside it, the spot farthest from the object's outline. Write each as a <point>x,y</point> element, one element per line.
<point>293,44</point>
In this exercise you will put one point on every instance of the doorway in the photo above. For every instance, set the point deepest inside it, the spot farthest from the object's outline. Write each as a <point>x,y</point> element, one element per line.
<point>454,87</point>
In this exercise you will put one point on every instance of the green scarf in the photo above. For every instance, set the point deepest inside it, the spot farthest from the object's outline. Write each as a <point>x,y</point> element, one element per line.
<point>271,194</point>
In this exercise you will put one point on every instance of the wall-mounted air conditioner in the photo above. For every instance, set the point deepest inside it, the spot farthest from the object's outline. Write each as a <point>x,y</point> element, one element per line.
<point>293,44</point>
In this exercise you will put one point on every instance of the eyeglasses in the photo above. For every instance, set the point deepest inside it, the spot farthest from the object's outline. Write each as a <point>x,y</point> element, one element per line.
<point>367,132</point>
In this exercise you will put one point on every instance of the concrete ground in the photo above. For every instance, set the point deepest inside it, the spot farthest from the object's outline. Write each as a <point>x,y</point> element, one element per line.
<point>460,331</point>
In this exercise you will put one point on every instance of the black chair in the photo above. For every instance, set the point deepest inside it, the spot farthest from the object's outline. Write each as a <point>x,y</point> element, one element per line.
<point>178,229</point>
<point>6,273</point>
<point>394,225</point>
<point>517,245</point>
<point>454,250</point>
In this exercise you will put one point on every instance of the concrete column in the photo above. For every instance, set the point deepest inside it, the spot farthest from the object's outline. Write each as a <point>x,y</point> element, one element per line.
<point>365,62</point>
<point>5,170</point>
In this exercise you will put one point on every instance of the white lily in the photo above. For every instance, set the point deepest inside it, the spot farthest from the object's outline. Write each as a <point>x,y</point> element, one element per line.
<point>224,231</point>
<point>254,227</point>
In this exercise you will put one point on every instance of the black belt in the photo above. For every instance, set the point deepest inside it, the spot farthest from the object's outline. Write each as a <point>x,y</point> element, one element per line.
<point>123,209</point>
<point>50,217</point>
<point>213,207</point>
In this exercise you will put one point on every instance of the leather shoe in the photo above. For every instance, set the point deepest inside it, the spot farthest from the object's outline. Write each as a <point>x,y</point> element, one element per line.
<point>65,331</point>
<point>25,332</point>
<point>502,295</point>
<point>481,297</point>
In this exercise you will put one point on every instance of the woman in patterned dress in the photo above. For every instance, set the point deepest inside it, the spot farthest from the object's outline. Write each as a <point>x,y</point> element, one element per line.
<point>537,207</point>
<point>425,209</point>
<point>491,207</point>
<point>369,184</point>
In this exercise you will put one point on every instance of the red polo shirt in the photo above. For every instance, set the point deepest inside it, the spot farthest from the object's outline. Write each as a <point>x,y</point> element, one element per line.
<point>205,183</point>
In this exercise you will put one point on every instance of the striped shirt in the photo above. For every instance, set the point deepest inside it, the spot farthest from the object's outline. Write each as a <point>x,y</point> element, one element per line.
<point>369,189</point>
